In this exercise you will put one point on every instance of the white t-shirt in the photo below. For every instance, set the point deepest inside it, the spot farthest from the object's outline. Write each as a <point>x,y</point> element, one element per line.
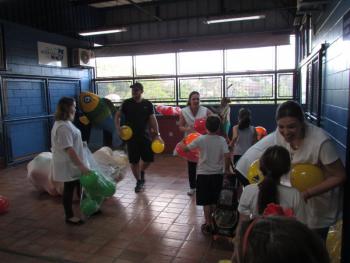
<point>288,198</point>
<point>63,135</point>
<point>211,153</point>
<point>317,148</point>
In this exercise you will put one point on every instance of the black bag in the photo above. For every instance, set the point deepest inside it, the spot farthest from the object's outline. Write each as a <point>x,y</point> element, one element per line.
<point>225,217</point>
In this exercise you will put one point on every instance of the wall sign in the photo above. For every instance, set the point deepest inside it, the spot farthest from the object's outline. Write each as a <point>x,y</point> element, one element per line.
<point>52,55</point>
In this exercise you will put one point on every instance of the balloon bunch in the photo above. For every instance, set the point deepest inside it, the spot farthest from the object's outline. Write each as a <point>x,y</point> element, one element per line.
<point>168,110</point>
<point>261,132</point>
<point>192,155</point>
<point>97,188</point>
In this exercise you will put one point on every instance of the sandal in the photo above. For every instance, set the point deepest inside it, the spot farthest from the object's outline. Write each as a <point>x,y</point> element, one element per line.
<point>206,229</point>
<point>74,221</point>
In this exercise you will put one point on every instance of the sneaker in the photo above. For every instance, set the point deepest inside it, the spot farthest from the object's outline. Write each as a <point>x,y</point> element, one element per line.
<point>206,229</point>
<point>142,178</point>
<point>138,187</point>
<point>191,191</point>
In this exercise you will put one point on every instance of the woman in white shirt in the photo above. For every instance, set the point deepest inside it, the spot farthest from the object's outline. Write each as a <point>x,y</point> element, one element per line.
<point>67,155</point>
<point>306,143</point>
<point>188,116</point>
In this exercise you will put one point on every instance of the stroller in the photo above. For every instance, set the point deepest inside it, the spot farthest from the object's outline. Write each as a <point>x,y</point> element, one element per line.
<point>225,217</point>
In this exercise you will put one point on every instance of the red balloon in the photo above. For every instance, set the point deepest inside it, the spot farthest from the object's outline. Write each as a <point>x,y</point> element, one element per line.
<point>191,156</point>
<point>4,204</point>
<point>191,137</point>
<point>261,132</point>
<point>168,110</point>
<point>199,125</point>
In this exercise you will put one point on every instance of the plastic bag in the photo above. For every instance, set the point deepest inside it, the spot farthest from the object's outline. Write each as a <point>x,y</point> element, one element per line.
<point>96,186</point>
<point>111,163</point>
<point>39,173</point>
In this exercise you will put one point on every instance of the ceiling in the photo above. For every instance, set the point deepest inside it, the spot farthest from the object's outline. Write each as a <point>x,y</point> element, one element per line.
<point>150,21</point>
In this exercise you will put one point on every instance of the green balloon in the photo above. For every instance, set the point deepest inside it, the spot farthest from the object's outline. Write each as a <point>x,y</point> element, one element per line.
<point>88,206</point>
<point>89,180</point>
<point>108,189</point>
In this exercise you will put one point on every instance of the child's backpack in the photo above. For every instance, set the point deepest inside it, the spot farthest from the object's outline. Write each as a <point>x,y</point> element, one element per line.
<point>225,218</point>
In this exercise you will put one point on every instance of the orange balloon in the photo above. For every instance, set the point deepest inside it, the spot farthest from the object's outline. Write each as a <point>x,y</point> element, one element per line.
<point>191,156</point>
<point>304,176</point>
<point>261,132</point>
<point>191,137</point>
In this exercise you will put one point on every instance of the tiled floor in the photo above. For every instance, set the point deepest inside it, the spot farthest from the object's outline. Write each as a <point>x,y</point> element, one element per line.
<point>161,224</point>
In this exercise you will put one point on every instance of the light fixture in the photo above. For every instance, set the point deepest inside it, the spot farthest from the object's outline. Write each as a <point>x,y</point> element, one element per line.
<point>103,32</point>
<point>234,18</point>
<point>97,45</point>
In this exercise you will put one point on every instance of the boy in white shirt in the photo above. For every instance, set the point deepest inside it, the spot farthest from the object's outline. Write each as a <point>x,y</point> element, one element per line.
<point>214,161</point>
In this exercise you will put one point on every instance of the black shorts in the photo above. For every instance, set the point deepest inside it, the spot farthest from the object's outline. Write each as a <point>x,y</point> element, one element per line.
<point>139,148</point>
<point>208,188</point>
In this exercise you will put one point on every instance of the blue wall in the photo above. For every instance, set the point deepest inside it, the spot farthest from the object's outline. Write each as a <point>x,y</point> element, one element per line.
<point>30,92</point>
<point>335,93</point>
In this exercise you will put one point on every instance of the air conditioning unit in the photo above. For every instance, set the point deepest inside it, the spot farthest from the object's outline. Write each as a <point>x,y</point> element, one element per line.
<point>83,58</point>
<point>310,5</point>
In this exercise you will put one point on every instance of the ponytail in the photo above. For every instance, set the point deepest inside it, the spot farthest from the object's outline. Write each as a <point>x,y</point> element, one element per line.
<point>268,193</point>
<point>274,163</point>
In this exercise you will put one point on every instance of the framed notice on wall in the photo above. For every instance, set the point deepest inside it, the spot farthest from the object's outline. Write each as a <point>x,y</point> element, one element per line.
<point>52,55</point>
<point>2,50</point>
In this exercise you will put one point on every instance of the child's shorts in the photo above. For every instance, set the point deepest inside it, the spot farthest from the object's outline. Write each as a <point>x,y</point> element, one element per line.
<point>208,188</point>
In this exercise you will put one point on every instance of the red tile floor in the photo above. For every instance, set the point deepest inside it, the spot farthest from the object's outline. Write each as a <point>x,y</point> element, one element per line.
<point>161,224</point>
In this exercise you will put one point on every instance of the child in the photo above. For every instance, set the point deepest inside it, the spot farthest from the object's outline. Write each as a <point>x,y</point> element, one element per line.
<point>243,135</point>
<point>274,163</point>
<point>225,115</point>
<point>214,160</point>
<point>278,240</point>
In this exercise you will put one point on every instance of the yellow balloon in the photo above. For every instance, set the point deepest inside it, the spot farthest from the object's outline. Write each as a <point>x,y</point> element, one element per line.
<point>254,174</point>
<point>304,176</point>
<point>157,146</point>
<point>125,132</point>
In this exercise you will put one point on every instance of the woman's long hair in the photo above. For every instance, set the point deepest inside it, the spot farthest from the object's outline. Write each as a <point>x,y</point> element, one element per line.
<point>274,163</point>
<point>243,118</point>
<point>63,108</point>
<point>279,240</point>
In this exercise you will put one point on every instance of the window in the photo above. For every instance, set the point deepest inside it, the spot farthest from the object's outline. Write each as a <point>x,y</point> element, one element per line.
<point>250,86</point>
<point>200,62</point>
<point>249,59</point>
<point>116,91</point>
<point>311,75</point>
<point>285,86</point>
<point>160,64</point>
<point>114,66</point>
<point>286,55</point>
<point>258,75</point>
<point>158,89</point>
<point>209,87</point>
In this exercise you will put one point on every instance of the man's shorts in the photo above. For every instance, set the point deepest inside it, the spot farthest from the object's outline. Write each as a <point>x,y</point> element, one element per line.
<point>139,148</point>
<point>208,188</point>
